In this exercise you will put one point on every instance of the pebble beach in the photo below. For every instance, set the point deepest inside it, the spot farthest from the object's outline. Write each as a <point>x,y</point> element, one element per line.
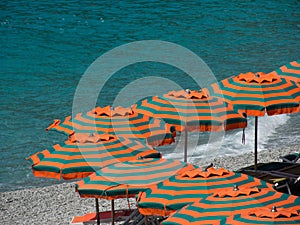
<point>57,204</point>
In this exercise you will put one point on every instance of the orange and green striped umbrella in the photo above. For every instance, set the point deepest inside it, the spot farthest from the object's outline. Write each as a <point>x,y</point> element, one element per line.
<point>219,206</point>
<point>189,187</point>
<point>289,71</point>
<point>257,94</point>
<point>83,154</point>
<point>117,121</point>
<point>126,179</point>
<point>192,111</point>
<point>267,216</point>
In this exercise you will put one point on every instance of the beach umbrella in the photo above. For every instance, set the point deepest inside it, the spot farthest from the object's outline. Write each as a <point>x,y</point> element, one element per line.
<point>289,71</point>
<point>258,94</point>
<point>82,154</point>
<point>266,215</point>
<point>192,111</point>
<point>189,187</point>
<point>126,179</point>
<point>216,208</point>
<point>117,121</point>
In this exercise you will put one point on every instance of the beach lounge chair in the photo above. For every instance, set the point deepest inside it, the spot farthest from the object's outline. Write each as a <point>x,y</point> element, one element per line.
<point>284,176</point>
<point>125,217</point>
<point>138,219</point>
<point>105,217</point>
<point>291,158</point>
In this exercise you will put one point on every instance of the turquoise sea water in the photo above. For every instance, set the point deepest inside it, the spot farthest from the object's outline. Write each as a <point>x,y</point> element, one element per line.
<point>46,46</point>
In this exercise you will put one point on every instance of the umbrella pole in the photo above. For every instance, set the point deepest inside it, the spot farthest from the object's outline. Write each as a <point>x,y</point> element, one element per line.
<point>112,212</point>
<point>255,143</point>
<point>97,211</point>
<point>146,220</point>
<point>185,144</point>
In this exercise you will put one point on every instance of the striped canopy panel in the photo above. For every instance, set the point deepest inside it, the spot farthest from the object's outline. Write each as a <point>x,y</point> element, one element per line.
<point>289,71</point>
<point>83,154</point>
<point>128,178</point>
<point>257,93</point>
<point>180,190</point>
<point>237,206</point>
<point>192,110</point>
<point>286,216</point>
<point>118,121</point>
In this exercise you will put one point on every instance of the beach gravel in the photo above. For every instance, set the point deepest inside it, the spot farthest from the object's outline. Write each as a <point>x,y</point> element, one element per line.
<point>57,204</point>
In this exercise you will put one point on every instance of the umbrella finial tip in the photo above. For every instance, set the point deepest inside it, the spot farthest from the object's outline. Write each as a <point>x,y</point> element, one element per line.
<point>235,187</point>
<point>274,209</point>
<point>188,91</point>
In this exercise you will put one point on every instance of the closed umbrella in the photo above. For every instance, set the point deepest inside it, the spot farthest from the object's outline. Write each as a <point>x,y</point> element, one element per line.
<point>82,154</point>
<point>289,71</point>
<point>258,94</point>
<point>180,190</point>
<point>117,121</point>
<point>221,205</point>
<point>192,111</point>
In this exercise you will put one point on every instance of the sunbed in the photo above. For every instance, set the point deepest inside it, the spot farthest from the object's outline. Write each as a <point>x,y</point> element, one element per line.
<point>284,175</point>
<point>291,158</point>
<point>91,218</point>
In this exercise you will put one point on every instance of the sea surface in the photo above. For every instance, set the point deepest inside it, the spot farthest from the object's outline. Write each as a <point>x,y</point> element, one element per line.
<point>46,47</point>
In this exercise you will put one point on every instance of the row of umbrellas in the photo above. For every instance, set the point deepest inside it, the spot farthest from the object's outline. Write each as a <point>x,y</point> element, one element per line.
<point>222,106</point>
<point>213,196</point>
<point>112,141</point>
<point>180,190</point>
<point>188,194</point>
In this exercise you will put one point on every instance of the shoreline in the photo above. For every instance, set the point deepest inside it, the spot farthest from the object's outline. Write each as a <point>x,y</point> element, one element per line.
<point>57,204</point>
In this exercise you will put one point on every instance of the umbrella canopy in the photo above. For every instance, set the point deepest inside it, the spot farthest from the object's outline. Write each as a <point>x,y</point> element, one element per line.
<point>180,190</point>
<point>82,154</point>
<point>257,94</point>
<point>219,206</point>
<point>117,121</point>
<point>192,111</point>
<point>127,179</point>
<point>289,71</point>
<point>267,215</point>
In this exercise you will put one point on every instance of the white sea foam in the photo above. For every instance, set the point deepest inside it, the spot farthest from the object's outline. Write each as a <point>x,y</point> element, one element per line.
<point>231,143</point>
